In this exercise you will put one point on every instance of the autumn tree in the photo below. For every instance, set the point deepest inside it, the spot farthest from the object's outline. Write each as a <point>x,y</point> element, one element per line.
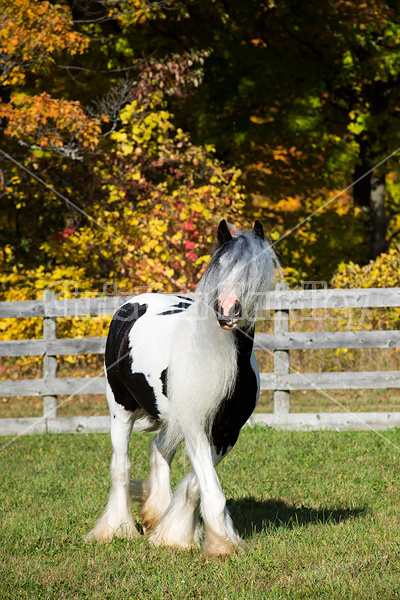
<point>304,96</point>
<point>149,198</point>
<point>301,97</point>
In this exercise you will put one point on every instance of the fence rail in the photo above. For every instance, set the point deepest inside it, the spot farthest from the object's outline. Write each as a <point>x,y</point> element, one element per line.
<point>281,302</point>
<point>279,299</point>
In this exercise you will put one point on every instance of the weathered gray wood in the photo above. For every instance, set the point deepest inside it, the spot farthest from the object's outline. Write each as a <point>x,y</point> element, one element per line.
<point>21,309</point>
<point>77,307</point>
<point>333,298</point>
<point>49,362</point>
<point>281,358</point>
<point>281,381</point>
<point>59,347</point>
<point>330,381</point>
<point>79,425</point>
<point>69,308</point>
<point>299,421</point>
<point>332,421</point>
<point>322,340</point>
<point>94,345</point>
<point>61,385</point>
<point>22,387</point>
<point>87,425</point>
<point>263,341</point>
<point>98,424</point>
<point>22,348</point>
<point>22,426</point>
<point>277,300</point>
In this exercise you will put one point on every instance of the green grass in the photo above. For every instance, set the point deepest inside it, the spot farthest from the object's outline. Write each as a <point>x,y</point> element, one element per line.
<point>319,512</point>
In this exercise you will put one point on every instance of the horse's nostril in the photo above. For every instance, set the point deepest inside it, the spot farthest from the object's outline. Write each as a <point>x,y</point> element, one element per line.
<point>218,308</point>
<point>237,310</point>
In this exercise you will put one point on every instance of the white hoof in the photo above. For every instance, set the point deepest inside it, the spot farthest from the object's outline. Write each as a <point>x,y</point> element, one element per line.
<point>105,529</point>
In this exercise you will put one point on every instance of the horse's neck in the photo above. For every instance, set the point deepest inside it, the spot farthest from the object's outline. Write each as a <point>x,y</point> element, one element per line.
<point>205,330</point>
<point>244,341</point>
<point>203,352</point>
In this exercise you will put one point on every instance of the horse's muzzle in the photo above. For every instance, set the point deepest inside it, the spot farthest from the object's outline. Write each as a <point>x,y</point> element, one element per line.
<point>228,316</point>
<point>227,323</point>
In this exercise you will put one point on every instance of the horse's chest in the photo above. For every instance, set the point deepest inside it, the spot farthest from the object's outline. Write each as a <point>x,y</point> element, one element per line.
<point>235,411</point>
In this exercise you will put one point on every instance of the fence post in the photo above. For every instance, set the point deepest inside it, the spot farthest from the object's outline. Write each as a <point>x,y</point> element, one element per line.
<point>281,357</point>
<point>49,362</point>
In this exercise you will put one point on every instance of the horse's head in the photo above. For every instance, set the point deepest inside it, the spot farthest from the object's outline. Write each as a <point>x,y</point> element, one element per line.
<point>238,276</point>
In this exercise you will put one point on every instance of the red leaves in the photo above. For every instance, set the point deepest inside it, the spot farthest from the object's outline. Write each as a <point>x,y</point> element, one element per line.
<point>61,235</point>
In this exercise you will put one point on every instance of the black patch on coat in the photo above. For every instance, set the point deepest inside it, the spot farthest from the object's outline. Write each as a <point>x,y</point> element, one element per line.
<point>175,309</point>
<point>185,298</point>
<point>234,411</point>
<point>131,390</point>
<point>163,378</point>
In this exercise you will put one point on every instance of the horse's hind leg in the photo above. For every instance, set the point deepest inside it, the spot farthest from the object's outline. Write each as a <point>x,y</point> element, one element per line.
<point>117,518</point>
<point>155,492</point>
<point>181,523</point>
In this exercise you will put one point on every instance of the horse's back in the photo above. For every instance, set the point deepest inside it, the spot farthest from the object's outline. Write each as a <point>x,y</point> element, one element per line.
<point>138,348</point>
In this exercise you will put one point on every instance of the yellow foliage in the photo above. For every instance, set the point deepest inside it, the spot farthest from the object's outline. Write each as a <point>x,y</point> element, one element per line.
<point>158,214</point>
<point>383,272</point>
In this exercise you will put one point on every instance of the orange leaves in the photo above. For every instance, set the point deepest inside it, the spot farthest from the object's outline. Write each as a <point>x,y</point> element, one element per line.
<point>258,43</point>
<point>30,32</point>
<point>50,123</point>
<point>289,204</point>
<point>285,154</point>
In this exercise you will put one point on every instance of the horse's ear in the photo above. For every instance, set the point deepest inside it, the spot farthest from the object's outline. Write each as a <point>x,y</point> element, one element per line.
<point>258,230</point>
<point>223,233</point>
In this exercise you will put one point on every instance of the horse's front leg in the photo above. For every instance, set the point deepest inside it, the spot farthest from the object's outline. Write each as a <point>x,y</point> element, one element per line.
<point>155,492</point>
<point>221,537</point>
<point>117,518</point>
<point>180,525</point>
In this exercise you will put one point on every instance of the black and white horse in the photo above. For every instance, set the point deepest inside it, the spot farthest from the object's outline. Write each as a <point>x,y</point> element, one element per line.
<point>186,367</point>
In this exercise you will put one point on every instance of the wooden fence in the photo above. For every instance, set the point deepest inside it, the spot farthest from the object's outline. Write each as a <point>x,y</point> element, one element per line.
<point>281,380</point>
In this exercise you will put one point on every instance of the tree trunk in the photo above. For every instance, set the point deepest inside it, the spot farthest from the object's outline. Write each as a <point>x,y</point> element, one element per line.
<point>370,193</point>
<point>378,219</point>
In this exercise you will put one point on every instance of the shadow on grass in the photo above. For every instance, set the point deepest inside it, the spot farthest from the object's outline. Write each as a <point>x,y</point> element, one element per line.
<point>251,516</point>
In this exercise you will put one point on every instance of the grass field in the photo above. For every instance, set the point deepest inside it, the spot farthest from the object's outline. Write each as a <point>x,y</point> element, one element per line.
<point>319,512</point>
